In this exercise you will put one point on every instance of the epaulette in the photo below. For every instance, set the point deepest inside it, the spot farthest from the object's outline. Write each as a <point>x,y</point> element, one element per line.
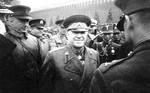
<point>106,66</point>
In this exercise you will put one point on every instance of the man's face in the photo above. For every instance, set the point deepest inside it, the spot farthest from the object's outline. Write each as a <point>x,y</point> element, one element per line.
<point>37,31</point>
<point>77,38</point>
<point>19,25</point>
<point>128,31</point>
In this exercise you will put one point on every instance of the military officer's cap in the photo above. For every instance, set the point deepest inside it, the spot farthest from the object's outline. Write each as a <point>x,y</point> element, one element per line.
<point>40,23</point>
<point>77,23</point>
<point>116,32</point>
<point>129,7</point>
<point>21,11</point>
<point>93,22</point>
<point>4,9</point>
<point>59,22</point>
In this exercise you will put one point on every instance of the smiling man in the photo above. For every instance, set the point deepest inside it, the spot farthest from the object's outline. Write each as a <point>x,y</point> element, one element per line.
<point>69,69</point>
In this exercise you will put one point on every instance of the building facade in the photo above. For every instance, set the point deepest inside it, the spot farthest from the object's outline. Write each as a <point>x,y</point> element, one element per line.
<point>101,10</point>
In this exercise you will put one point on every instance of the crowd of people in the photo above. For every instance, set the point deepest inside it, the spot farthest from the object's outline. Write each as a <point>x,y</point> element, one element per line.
<point>75,55</point>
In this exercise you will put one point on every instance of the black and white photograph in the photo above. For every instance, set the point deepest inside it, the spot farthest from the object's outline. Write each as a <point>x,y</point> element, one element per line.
<point>74,46</point>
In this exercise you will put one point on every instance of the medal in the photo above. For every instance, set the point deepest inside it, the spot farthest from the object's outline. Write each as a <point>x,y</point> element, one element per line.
<point>79,57</point>
<point>82,62</point>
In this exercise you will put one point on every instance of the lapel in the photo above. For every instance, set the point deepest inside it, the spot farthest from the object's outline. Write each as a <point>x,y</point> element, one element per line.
<point>72,63</point>
<point>90,61</point>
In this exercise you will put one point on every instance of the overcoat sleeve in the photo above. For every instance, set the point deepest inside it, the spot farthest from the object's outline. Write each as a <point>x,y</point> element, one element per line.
<point>6,47</point>
<point>98,84</point>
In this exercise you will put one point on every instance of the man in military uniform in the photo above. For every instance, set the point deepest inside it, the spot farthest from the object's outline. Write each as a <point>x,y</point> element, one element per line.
<point>24,68</point>
<point>91,33</point>
<point>37,27</point>
<point>37,30</point>
<point>108,50</point>
<point>110,47</point>
<point>116,37</point>
<point>69,69</point>
<point>6,46</point>
<point>60,39</point>
<point>132,74</point>
<point>6,49</point>
<point>93,27</point>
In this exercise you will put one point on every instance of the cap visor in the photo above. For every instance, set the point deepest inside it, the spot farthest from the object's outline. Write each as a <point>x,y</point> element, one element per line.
<point>6,11</point>
<point>24,17</point>
<point>79,29</point>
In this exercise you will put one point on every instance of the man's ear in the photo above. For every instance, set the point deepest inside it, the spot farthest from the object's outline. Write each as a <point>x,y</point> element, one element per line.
<point>129,21</point>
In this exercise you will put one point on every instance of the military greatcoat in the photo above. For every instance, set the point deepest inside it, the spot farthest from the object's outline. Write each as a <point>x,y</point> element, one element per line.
<point>63,72</point>
<point>129,75</point>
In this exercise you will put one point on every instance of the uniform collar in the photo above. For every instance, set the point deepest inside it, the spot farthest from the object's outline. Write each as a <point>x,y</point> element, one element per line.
<point>80,51</point>
<point>142,46</point>
<point>13,33</point>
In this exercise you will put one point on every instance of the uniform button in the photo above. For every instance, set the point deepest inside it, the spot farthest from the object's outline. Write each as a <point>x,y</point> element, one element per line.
<point>71,79</point>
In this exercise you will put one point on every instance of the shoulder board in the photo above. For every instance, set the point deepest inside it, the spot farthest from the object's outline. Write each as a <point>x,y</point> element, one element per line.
<point>106,66</point>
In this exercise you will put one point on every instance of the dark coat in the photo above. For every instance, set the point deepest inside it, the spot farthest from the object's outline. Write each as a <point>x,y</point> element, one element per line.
<point>64,73</point>
<point>20,74</point>
<point>129,75</point>
<point>6,47</point>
